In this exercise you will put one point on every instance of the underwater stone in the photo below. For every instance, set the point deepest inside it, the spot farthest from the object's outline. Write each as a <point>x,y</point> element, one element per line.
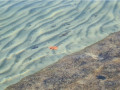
<point>101,77</point>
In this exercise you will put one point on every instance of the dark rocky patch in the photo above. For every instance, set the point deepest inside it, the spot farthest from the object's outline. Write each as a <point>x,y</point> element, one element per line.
<point>101,77</point>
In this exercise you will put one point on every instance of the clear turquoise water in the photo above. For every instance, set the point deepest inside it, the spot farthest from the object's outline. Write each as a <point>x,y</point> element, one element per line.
<point>29,27</point>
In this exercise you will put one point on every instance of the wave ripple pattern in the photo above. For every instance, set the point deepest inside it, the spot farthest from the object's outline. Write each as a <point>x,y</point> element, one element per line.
<point>29,27</point>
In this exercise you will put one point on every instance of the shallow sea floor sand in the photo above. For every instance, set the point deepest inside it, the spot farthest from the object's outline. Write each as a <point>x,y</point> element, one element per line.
<point>29,27</point>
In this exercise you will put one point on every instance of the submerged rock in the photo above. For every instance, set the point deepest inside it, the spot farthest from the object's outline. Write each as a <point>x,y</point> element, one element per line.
<point>96,67</point>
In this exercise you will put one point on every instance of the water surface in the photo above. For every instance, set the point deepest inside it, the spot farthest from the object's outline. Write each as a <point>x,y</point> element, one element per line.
<point>29,27</point>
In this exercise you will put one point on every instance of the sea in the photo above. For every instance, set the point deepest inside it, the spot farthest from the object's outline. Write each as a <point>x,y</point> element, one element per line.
<point>28,28</point>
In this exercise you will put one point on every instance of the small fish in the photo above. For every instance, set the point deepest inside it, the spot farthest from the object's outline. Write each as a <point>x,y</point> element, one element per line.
<point>34,47</point>
<point>64,34</point>
<point>53,47</point>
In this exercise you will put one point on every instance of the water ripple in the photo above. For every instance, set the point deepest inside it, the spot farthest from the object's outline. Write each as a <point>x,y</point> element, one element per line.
<point>28,28</point>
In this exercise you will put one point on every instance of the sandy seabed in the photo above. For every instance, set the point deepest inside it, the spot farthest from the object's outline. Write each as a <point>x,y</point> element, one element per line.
<point>29,27</point>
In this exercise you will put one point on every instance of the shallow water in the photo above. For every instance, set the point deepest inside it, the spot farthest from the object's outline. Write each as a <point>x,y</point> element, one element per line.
<point>29,27</point>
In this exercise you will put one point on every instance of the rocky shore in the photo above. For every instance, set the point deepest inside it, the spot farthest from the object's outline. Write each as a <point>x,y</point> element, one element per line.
<point>96,67</point>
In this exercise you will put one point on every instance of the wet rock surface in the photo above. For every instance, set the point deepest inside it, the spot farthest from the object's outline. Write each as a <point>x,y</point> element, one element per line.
<point>96,67</point>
